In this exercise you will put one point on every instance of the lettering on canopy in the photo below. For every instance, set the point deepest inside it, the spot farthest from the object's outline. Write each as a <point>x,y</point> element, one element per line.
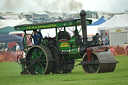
<point>42,26</point>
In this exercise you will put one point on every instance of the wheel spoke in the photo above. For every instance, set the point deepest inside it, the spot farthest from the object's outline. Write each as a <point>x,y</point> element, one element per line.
<point>41,53</point>
<point>32,69</point>
<point>38,54</point>
<point>32,55</point>
<point>35,52</point>
<point>44,63</point>
<point>36,69</point>
<point>42,67</point>
<point>43,60</point>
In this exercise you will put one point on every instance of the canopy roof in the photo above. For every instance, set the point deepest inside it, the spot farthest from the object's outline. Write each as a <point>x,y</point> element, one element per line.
<point>48,25</point>
<point>98,22</point>
<point>116,22</point>
<point>12,23</point>
<point>10,38</point>
<point>6,30</point>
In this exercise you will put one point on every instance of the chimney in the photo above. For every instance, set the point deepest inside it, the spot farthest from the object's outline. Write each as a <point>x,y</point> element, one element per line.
<point>83,24</point>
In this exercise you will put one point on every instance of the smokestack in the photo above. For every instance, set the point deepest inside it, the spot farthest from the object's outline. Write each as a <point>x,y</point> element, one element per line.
<point>83,24</point>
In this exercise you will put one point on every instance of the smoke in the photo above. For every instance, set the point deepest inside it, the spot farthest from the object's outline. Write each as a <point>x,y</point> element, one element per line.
<point>75,6</point>
<point>63,5</point>
<point>67,5</point>
<point>111,6</point>
<point>11,5</point>
<point>40,5</point>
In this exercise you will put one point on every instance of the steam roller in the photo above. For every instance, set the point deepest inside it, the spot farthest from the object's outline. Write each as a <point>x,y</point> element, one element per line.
<point>58,54</point>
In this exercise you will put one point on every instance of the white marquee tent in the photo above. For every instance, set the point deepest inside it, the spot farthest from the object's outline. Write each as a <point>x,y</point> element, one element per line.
<point>116,22</point>
<point>12,23</point>
<point>117,27</point>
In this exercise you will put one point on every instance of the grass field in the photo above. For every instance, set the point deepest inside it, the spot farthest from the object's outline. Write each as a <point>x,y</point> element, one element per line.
<point>10,75</point>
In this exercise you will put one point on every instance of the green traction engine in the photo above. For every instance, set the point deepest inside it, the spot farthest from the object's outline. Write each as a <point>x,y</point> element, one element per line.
<point>58,54</point>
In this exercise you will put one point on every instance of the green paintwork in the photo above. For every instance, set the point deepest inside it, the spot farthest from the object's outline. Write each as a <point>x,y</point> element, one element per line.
<point>74,50</point>
<point>68,44</point>
<point>45,42</point>
<point>73,56</point>
<point>41,66</point>
<point>25,40</point>
<point>72,40</point>
<point>64,45</point>
<point>70,47</point>
<point>57,24</point>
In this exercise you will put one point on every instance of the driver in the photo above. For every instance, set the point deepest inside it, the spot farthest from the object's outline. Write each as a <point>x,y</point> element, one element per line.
<point>37,37</point>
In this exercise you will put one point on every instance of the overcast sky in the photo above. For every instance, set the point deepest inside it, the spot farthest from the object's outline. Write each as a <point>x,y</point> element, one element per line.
<point>112,6</point>
<point>106,5</point>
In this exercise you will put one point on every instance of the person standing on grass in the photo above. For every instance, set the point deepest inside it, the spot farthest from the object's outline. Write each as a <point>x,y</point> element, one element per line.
<point>17,47</point>
<point>104,39</point>
<point>126,48</point>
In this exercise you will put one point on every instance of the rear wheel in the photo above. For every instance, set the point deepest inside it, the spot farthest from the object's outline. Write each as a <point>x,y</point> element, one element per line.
<point>39,60</point>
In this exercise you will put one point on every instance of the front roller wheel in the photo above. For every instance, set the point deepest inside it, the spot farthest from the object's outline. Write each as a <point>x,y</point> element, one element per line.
<point>39,60</point>
<point>101,62</point>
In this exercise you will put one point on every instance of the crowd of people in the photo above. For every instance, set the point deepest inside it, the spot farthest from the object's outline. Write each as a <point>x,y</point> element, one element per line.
<point>105,40</point>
